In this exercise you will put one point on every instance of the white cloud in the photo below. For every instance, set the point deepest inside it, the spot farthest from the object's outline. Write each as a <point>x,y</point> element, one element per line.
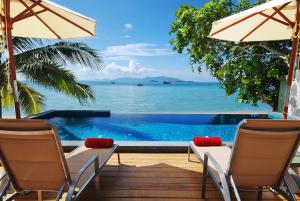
<point>115,70</point>
<point>128,27</point>
<point>132,68</point>
<point>136,49</point>
<point>112,70</point>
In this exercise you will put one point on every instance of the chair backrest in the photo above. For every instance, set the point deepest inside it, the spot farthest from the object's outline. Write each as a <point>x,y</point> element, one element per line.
<point>32,155</point>
<point>263,151</point>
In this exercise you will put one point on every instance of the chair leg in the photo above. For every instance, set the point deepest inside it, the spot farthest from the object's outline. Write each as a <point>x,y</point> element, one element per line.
<point>259,193</point>
<point>40,196</point>
<point>296,179</point>
<point>289,189</point>
<point>61,191</point>
<point>11,197</point>
<point>205,172</point>
<point>189,153</point>
<point>97,187</point>
<point>235,190</point>
<point>118,152</point>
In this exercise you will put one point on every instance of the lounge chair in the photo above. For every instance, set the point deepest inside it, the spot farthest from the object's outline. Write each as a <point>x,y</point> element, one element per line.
<point>32,156</point>
<point>260,157</point>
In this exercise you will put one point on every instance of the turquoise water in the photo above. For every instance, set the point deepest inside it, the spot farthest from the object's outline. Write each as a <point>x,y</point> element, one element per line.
<point>150,127</point>
<point>156,98</point>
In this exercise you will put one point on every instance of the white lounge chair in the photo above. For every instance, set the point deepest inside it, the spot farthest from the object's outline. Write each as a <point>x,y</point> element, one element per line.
<point>32,156</point>
<point>260,157</point>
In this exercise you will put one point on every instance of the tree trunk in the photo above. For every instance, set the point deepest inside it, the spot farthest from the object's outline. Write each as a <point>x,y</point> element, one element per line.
<point>275,104</point>
<point>0,107</point>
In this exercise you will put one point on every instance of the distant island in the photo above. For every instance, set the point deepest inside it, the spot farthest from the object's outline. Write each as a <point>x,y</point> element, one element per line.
<point>144,81</point>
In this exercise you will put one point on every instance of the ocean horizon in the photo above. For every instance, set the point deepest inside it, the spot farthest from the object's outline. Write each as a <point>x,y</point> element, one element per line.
<point>180,97</point>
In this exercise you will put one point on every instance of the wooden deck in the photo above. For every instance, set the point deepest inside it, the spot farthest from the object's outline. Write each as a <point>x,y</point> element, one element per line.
<point>155,177</point>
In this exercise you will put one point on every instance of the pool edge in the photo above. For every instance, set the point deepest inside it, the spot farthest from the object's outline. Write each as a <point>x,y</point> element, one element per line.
<point>142,146</point>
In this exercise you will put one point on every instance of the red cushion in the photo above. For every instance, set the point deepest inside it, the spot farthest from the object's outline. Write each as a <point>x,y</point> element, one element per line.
<point>207,141</point>
<point>98,142</point>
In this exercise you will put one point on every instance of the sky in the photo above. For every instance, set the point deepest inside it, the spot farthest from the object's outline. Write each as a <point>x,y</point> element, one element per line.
<point>132,37</point>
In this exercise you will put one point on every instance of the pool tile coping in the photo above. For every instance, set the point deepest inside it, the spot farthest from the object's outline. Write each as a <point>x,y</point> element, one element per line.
<point>140,143</point>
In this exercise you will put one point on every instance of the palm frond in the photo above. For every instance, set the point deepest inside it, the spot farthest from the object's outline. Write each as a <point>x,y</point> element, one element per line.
<point>5,87</point>
<point>66,52</point>
<point>50,75</point>
<point>7,97</point>
<point>82,92</point>
<point>31,100</point>
<point>25,44</point>
<point>42,65</point>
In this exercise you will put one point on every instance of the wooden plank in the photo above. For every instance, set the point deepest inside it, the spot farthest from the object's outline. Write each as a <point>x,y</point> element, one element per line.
<point>150,174</point>
<point>157,165</point>
<point>172,199</point>
<point>152,180</point>
<point>145,186</point>
<point>183,193</point>
<point>197,169</point>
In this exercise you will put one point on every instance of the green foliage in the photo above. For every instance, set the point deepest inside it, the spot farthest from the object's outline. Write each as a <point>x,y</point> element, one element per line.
<point>43,65</point>
<point>30,99</point>
<point>252,70</point>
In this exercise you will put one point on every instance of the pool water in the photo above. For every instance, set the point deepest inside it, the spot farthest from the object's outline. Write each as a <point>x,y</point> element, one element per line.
<point>151,127</point>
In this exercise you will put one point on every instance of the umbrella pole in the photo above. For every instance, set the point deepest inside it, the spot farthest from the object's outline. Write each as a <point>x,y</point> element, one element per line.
<point>290,77</point>
<point>13,76</point>
<point>292,63</point>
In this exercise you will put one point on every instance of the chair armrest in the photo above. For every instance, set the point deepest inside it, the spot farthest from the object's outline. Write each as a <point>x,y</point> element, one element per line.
<point>107,156</point>
<point>295,178</point>
<point>3,175</point>
<point>94,160</point>
<point>224,185</point>
<point>5,186</point>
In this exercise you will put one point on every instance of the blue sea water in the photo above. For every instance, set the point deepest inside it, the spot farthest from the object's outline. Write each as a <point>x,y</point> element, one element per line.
<point>153,112</point>
<point>153,98</point>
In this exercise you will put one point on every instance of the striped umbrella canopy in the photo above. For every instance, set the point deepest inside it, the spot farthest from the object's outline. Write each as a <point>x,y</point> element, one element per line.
<point>39,19</point>
<point>271,21</point>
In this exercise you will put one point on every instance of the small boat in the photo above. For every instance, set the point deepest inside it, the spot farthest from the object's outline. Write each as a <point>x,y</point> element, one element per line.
<point>113,82</point>
<point>139,85</point>
<point>166,82</point>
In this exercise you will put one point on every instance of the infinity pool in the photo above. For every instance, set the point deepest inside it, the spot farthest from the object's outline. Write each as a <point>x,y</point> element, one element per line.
<point>151,127</point>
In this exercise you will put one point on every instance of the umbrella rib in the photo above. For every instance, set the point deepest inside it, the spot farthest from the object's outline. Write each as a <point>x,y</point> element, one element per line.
<point>2,18</point>
<point>230,25</point>
<point>41,20</point>
<point>66,19</point>
<point>284,17</point>
<point>275,19</point>
<point>29,15</point>
<point>27,9</point>
<point>48,27</point>
<point>263,22</point>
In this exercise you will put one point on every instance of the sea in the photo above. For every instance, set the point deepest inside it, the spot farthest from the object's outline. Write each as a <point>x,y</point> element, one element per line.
<point>151,98</point>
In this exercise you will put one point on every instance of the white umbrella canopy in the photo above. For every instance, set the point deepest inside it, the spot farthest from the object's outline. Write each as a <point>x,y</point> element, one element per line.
<point>39,19</point>
<point>271,21</point>
<point>44,19</point>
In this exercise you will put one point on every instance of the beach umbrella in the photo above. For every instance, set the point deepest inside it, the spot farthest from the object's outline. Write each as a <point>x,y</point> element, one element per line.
<point>274,20</point>
<point>39,19</point>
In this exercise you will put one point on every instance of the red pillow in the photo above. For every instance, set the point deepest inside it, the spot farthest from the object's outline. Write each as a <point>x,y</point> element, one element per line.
<point>207,141</point>
<point>98,142</point>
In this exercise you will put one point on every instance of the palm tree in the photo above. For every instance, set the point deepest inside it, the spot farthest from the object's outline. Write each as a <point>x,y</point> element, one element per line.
<point>43,65</point>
